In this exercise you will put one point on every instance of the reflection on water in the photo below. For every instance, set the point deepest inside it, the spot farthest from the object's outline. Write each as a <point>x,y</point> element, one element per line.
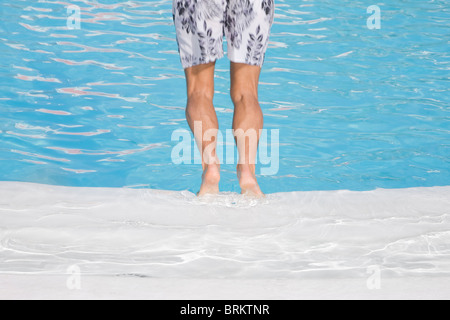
<point>357,108</point>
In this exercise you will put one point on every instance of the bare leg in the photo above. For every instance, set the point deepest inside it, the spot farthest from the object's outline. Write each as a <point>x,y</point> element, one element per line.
<point>200,113</point>
<point>247,123</point>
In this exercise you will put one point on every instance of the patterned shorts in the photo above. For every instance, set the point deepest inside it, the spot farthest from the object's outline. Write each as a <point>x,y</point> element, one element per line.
<point>202,24</point>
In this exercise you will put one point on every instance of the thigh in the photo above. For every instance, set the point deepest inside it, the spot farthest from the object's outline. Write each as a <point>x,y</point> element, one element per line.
<point>244,80</point>
<point>199,30</point>
<point>247,25</point>
<point>200,80</point>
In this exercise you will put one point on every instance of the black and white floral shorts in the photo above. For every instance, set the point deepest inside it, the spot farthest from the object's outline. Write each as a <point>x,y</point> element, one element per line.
<point>202,24</point>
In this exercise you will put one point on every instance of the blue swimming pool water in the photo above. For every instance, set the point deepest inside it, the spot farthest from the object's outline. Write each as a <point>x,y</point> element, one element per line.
<point>357,108</point>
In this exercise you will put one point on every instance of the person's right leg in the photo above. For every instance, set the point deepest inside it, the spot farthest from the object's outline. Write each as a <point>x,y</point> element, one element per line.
<point>247,123</point>
<point>202,120</point>
<point>247,28</point>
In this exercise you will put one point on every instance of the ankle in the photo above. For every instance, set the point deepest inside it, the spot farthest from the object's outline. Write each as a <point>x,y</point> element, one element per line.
<point>246,168</point>
<point>211,173</point>
<point>211,167</point>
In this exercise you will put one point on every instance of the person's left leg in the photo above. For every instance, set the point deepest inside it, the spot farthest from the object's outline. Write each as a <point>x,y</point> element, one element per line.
<point>202,120</point>
<point>199,29</point>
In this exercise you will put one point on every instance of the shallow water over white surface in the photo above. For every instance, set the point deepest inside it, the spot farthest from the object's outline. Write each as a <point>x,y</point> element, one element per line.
<point>163,234</point>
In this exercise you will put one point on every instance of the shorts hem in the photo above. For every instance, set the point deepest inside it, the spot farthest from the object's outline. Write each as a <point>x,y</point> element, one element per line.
<point>198,63</point>
<point>251,63</point>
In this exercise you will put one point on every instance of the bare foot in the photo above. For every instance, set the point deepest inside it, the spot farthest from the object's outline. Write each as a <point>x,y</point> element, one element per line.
<point>247,181</point>
<point>210,180</point>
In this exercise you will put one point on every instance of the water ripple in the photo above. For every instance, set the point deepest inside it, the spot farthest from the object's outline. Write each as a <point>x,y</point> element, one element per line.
<point>356,108</point>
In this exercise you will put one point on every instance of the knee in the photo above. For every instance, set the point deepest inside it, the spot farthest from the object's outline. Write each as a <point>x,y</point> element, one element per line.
<point>199,101</point>
<point>200,95</point>
<point>245,96</point>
